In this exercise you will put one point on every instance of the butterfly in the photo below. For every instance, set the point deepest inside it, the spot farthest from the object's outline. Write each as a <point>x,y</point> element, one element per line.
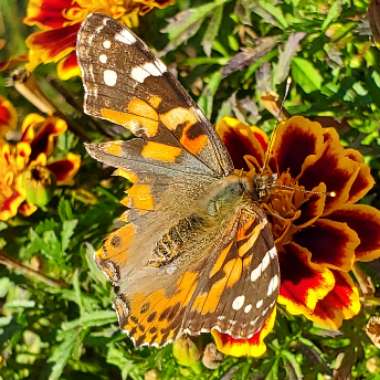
<point>195,251</point>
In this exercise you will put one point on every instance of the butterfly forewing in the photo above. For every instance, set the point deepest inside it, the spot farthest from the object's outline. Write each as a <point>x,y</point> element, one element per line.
<point>126,84</point>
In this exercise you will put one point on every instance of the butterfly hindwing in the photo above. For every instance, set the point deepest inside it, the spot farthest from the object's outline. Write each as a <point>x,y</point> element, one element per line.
<point>127,85</point>
<point>226,279</point>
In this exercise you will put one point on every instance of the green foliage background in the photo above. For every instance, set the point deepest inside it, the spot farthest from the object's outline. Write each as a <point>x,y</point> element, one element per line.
<point>56,322</point>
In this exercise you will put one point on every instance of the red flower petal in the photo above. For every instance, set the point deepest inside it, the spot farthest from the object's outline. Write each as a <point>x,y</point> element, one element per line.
<point>10,205</point>
<point>51,45</point>
<point>341,303</point>
<point>303,283</point>
<point>64,170</point>
<point>253,346</point>
<point>331,243</point>
<point>365,221</point>
<point>47,13</point>
<point>241,140</point>
<point>8,116</point>
<point>333,168</point>
<point>41,133</point>
<point>296,139</point>
<point>68,67</point>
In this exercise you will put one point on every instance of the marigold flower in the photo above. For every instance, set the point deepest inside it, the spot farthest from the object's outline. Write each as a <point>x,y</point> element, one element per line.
<point>27,170</point>
<point>318,237</point>
<point>60,21</point>
<point>8,117</point>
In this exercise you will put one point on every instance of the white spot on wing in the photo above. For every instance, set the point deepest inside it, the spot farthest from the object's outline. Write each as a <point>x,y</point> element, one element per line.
<point>273,252</point>
<point>247,308</point>
<point>103,58</point>
<point>259,303</point>
<point>273,284</point>
<point>160,65</point>
<point>238,302</point>
<point>106,44</point>
<point>255,274</point>
<point>110,77</point>
<point>140,73</point>
<point>125,37</point>
<point>266,261</point>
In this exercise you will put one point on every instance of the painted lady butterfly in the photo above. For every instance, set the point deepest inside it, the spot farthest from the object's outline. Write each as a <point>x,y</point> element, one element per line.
<point>196,251</point>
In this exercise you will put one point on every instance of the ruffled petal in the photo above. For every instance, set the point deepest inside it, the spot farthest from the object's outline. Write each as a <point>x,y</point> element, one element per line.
<point>51,45</point>
<point>253,346</point>
<point>47,13</point>
<point>65,169</point>
<point>333,168</point>
<point>296,139</point>
<point>8,116</point>
<point>331,243</point>
<point>27,209</point>
<point>365,221</point>
<point>303,283</point>
<point>9,206</point>
<point>341,303</point>
<point>68,67</point>
<point>41,133</point>
<point>241,140</point>
<point>363,181</point>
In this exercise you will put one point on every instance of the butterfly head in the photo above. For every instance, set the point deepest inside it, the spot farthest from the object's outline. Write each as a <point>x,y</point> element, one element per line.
<point>263,185</point>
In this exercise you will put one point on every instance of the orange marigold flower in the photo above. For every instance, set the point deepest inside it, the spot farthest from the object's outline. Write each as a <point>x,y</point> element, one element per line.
<point>27,169</point>
<point>318,237</point>
<point>8,117</point>
<point>59,23</point>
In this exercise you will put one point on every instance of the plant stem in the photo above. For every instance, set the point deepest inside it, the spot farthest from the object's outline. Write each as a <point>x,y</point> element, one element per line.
<point>26,271</point>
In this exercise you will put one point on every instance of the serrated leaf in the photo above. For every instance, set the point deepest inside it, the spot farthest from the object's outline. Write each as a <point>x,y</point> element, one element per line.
<point>68,228</point>
<point>95,318</point>
<point>63,352</point>
<point>270,13</point>
<point>250,55</point>
<point>126,366</point>
<point>212,30</point>
<point>290,49</point>
<point>186,24</point>
<point>306,75</point>
<point>94,272</point>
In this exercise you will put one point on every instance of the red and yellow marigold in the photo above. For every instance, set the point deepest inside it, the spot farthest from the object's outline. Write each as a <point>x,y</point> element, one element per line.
<point>59,23</point>
<point>318,237</point>
<point>27,169</point>
<point>8,116</point>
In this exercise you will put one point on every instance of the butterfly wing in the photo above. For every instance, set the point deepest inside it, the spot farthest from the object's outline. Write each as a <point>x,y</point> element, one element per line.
<point>231,285</point>
<point>127,85</point>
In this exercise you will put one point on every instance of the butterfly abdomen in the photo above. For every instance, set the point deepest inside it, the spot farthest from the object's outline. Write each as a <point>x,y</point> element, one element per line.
<point>171,243</point>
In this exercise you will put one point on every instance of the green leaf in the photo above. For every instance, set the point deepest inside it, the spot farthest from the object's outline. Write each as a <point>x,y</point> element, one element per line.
<point>63,352</point>
<point>212,30</point>
<point>306,75</point>
<point>95,318</point>
<point>186,24</point>
<point>126,366</point>
<point>68,228</point>
<point>334,12</point>
<point>206,100</point>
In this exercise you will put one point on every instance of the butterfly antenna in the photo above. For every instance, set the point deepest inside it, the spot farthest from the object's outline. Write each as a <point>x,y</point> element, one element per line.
<point>331,194</point>
<point>272,140</point>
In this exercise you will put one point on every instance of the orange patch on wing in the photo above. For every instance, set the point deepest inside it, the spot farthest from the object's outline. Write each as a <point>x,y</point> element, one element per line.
<point>114,148</point>
<point>244,248</point>
<point>117,244</point>
<point>178,116</point>
<point>140,197</point>
<point>193,145</point>
<point>133,122</point>
<point>220,260</point>
<point>155,101</point>
<point>233,270</point>
<point>127,174</point>
<point>160,152</point>
<point>151,314</point>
